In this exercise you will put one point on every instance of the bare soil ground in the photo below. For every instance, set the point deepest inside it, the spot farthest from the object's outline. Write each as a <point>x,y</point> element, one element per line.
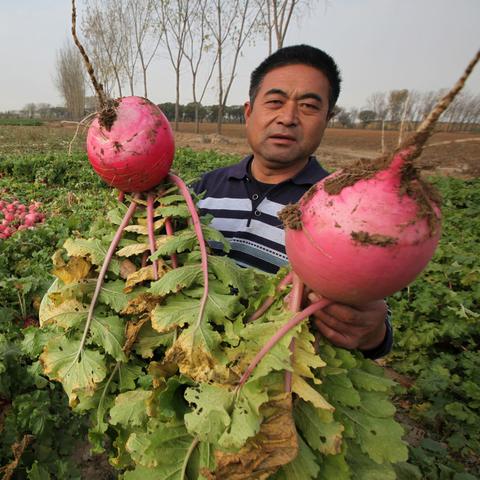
<point>452,156</point>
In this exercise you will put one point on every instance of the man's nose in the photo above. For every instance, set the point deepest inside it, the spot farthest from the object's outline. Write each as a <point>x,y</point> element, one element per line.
<point>288,115</point>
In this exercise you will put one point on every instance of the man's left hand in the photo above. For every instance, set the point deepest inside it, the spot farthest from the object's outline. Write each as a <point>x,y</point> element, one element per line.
<point>360,327</point>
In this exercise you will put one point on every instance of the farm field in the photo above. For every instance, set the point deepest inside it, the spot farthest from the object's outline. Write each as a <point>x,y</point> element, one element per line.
<point>457,154</point>
<point>435,361</point>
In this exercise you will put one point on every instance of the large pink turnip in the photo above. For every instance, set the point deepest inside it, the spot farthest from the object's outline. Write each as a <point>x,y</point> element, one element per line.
<point>367,231</point>
<point>132,149</point>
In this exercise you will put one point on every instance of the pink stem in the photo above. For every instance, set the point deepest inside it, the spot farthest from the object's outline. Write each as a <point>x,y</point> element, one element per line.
<point>170,232</point>
<point>198,230</point>
<point>103,271</point>
<point>151,232</point>
<point>299,317</point>
<point>270,300</point>
<point>294,304</point>
<point>121,196</point>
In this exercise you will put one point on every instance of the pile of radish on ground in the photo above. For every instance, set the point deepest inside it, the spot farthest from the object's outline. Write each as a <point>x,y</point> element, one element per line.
<point>15,216</point>
<point>193,367</point>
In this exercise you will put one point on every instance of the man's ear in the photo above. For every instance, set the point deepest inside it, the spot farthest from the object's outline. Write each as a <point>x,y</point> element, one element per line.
<point>330,115</point>
<point>247,110</point>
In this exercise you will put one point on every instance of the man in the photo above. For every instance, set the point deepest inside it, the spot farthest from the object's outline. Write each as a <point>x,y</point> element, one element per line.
<point>292,96</point>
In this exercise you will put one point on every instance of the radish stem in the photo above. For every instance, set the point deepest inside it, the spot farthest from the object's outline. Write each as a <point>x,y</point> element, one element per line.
<point>170,232</point>
<point>292,323</point>
<point>198,230</point>
<point>294,304</point>
<point>151,232</point>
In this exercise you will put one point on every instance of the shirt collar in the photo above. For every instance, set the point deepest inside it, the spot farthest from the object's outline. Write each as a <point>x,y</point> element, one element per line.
<point>311,173</point>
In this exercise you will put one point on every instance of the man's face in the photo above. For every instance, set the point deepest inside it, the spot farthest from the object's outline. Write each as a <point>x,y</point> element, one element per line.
<point>289,115</point>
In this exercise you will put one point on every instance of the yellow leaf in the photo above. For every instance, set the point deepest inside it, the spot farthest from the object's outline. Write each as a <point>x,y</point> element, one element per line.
<point>144,274</point>
<point>76,269</point>
<point>309,394</point>
<point>131,250</point>
<point>275,445</point>
<point>143,229</point>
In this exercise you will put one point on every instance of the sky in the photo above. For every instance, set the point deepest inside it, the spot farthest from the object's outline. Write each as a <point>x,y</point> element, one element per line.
<point>379,45</point>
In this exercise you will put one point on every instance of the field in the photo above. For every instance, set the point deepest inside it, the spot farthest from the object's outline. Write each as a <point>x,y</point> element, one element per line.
<point>452,154</point>
<point>435,360</point>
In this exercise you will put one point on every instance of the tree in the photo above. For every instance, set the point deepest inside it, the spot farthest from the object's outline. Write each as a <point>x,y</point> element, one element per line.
<point>140,14</point>
<point>70,80</point>
<point>276,16</point>
<point>231,25</point>
<point>366,117</point>
<point>377,102</point>
<point>29,110</point>
<point>396,103</point>
<point>172,18</point>
<point>102,30</point>
<point>344,119</point>
<point>197,46</point>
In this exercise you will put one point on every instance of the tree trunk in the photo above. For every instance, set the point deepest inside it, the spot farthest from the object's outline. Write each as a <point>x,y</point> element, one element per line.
<point>177,97</point>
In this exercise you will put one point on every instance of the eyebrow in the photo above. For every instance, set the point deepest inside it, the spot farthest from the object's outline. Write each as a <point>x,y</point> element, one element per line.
<point>278,91</point>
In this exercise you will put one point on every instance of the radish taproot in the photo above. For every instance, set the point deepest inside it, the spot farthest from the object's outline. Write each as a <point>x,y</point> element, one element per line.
<point>134,152</point>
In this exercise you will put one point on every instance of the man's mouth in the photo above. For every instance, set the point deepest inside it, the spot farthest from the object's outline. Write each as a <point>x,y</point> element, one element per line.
<point>282,138</point>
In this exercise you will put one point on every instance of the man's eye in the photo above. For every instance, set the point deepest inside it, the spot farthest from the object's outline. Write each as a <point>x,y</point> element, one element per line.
<point>274,102</point>
<point>310,106</point>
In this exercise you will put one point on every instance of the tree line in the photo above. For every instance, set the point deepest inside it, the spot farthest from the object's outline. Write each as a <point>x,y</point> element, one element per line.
<point>383,110</point>
<point>394,108</point>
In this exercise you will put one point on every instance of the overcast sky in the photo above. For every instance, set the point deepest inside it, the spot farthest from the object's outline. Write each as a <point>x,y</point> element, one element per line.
<point>379,45</point>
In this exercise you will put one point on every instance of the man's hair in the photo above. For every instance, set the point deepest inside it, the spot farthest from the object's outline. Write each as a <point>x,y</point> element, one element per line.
<point>299,55</point>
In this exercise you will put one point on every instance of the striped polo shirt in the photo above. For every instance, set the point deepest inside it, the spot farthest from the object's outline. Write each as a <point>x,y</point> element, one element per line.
<point>247,218</point>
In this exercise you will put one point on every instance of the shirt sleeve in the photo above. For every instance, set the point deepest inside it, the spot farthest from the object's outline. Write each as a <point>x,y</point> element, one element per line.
<point>386,346</point>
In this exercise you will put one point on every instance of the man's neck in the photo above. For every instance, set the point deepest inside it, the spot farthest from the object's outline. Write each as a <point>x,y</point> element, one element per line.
<point>264,174</point>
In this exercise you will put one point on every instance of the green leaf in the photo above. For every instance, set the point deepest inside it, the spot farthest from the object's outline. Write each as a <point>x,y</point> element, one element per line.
<point>303,467</point>
<point>379,438</point>
<point>37,472</point>
<point>128,373</point>
<point>368,381</point>
<point>176,280</point>
<point>149,339</point>
<point>229,273</point>
<point>112,294</point>
<point>318,428</point>
<point>209,417</point>
<point>58,360</point>
<point>246,416</point>
<point>180,211</point>
<point>109,333</point>
<point>177,311</point>
<point>163,450</point>
<point>366,469</point>
<point>130,408</point>
<point>186,240</point>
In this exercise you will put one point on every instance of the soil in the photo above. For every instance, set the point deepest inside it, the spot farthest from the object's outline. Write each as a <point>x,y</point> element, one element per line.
<point>447,153</point>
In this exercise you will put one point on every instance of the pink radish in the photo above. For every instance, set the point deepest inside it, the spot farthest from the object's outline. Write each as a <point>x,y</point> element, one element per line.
<point>367,231</point>
<point>134,151</point>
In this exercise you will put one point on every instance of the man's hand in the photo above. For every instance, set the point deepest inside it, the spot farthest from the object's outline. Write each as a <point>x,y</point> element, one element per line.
<point>361,327</point>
